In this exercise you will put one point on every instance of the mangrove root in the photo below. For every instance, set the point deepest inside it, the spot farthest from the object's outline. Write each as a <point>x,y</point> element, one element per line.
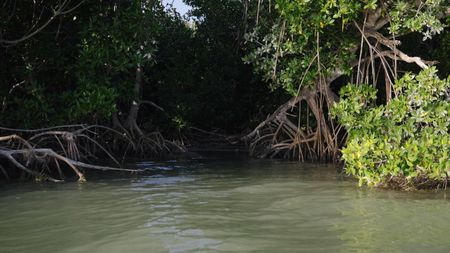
<point>46,153</point>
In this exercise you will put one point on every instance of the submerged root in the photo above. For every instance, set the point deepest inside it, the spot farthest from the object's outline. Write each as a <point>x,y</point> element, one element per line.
<point>420,182</point>
<point>132,139</point>
<point>149,145</point>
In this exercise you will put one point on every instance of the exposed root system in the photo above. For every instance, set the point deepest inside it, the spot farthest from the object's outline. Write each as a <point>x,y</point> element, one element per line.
<point>298,130</point>
<point>53,154</point>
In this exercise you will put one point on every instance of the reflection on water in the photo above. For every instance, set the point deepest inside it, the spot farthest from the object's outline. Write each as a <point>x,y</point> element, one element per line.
<point>222,206</point>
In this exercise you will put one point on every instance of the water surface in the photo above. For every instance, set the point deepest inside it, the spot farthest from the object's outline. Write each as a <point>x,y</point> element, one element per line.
<point>222,205</point>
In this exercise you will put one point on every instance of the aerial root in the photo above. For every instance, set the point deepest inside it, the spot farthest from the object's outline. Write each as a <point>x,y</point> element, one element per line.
<point>44,155</point>
<point>313,136</point>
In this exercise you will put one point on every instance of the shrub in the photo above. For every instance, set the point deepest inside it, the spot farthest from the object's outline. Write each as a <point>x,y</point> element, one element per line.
<point>405,143</point>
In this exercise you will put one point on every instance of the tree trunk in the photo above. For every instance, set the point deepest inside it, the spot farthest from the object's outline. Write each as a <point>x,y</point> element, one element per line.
<point>131,121</point>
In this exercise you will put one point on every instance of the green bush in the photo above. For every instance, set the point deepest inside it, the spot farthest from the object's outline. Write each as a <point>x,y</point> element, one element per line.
<point>92,103</point>
<point>404,144</point>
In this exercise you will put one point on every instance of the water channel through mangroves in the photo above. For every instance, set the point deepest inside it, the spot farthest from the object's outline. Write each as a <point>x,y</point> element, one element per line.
<point>222,205</point>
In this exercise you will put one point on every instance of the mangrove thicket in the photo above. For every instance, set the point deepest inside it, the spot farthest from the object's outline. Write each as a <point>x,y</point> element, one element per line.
<point>359,81</point>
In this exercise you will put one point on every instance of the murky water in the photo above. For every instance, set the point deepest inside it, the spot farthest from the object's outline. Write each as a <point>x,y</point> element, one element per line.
<point>222,206</point>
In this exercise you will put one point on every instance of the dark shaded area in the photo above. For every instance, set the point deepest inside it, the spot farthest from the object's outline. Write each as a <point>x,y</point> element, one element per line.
<point>80,68</point>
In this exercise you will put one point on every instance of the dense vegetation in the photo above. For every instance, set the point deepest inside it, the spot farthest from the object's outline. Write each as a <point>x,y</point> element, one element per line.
<point>87,61</point>
<point>405,143</point>
<point>312,48</point>
<point>139,69</point>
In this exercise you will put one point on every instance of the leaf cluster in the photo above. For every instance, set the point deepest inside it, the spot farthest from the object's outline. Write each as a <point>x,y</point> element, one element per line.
<point>407,139</point>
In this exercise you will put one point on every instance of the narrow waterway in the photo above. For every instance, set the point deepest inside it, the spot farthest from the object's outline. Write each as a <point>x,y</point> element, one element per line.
<point>222,205</point>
